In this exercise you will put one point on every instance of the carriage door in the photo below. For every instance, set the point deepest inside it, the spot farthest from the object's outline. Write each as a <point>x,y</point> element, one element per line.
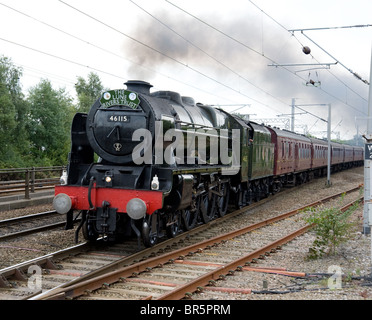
<point>297,156</point>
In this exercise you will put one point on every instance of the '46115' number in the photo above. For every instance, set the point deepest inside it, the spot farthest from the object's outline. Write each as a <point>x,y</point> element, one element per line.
<point>119,118</point>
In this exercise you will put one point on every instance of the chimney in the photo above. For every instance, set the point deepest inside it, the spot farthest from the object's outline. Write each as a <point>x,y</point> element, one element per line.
<point>138,86</point>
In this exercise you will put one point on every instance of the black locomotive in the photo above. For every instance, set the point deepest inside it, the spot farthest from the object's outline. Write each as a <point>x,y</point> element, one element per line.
<point>156,163</point>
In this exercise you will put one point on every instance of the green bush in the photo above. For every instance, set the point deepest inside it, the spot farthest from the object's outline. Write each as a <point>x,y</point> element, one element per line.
<point>332,228</point>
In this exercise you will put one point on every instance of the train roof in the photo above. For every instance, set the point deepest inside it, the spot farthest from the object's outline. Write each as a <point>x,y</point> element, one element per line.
<point>289,134</point>
<point>319,141</point>
<point>259,127</point>
<point>333,143</point>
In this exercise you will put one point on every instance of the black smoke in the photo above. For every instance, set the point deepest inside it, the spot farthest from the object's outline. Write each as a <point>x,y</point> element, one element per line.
<point>241,54</point>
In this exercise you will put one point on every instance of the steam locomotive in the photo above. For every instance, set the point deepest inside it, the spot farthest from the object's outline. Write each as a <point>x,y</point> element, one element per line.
<point>153,164</point>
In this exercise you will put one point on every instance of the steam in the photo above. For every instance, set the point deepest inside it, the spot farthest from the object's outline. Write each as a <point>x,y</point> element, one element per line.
<point>245,63</point>
<point>197,45</point>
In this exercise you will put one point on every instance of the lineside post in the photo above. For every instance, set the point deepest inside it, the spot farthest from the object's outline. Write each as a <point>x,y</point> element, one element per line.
<point>367,213</point>
<point>329,147</point>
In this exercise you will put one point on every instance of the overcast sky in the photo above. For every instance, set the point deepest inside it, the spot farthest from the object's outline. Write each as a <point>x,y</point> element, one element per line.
<point>218,52</point>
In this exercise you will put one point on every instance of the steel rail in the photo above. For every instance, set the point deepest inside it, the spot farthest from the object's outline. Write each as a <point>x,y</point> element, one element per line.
<point>32,230</point>
<point>160,247</point>
<point>30,217</point>
<point>80,287</point>
<point>197,284</point>
<point>46,260</point>
<point>181,291</point>
<point>26,218</point>
<point>47,263</point>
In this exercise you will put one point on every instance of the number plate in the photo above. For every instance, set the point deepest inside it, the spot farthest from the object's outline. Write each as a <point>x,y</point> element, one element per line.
<point>119,119</point>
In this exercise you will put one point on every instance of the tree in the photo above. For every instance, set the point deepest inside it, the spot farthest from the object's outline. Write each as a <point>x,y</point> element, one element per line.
<point>49,124</point>
<point>88,91</point>
<point>13,111</point>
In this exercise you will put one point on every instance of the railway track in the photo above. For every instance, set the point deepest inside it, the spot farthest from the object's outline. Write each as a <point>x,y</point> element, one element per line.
<point>30,224</point>
<point>176,274</point>
<point>18,282</point>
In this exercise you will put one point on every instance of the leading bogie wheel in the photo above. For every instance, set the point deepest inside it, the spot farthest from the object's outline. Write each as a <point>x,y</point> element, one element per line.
<point>150,230</point>
<point>88,230</point>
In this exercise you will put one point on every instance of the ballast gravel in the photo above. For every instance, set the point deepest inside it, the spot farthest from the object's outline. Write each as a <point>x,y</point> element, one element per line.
<point>343,276</point>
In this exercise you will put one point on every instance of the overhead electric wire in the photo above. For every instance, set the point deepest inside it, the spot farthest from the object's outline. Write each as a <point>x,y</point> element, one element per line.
<point>107,51</point>
<point>209,55</point>
<point>176,60</point>
<point>218,30</point>
<point>282,26</point>
<point>195,70</point>
<point>291,32</point>
<point>57,78</point>
<point>71,35</point>
<point>216,60</point>
<point>257,52</point>
<point>338,61</point>
<point>103,49</point>
<point>162,53</point>
<point>92,68</point>
<point>65,32</point>
<point>59,30</point>
<point>60,58</point>
<point>330,28</point>
<point>225,34</point>
<point>236,40</point>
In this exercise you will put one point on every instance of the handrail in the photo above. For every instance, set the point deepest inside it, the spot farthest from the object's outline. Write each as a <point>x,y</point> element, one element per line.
<point>26,179</point>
